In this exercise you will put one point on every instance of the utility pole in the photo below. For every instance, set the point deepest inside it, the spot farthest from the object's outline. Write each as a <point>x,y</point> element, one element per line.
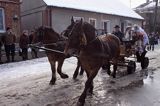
<point>130,3</point>
<point>155,16</point>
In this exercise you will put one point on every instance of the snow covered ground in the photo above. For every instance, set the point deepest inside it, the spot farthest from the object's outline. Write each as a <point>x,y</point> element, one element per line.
<point>27,84</point>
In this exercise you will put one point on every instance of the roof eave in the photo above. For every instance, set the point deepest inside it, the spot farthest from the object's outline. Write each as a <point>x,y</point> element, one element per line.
<point>95,12</point>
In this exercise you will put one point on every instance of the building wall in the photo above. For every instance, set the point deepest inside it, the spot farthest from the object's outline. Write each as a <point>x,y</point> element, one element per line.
<point>32,14</point>
<point>61,19</point>
<point>12,15</point>
<point>28,6</point>
<point>149,17</point>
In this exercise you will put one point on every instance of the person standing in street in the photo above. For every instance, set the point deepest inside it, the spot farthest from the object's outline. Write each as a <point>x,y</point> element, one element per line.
<point>33,50</point>
<point>9,40</point>
<point>151,41</point>
<point>23,43</point>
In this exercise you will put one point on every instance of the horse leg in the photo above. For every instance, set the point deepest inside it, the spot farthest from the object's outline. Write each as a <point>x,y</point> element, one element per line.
<point>114,69</point>
<point>77,70</point>
<point>82,71</point>
<point>53,79</point>
<point>88,86</point>
<point>108,68</point>
<point>59,69</point>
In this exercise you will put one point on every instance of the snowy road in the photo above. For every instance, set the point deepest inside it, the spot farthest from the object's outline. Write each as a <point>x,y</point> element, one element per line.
<point>27,84</point>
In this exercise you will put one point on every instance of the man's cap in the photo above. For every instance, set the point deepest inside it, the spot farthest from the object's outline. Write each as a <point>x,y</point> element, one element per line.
<point>117,26</point>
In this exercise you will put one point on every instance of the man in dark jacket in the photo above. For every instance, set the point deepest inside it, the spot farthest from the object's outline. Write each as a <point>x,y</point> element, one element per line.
<point>151,41</point>
<point>24,41</point>
<point>118,33</point>
<point>9,40</point>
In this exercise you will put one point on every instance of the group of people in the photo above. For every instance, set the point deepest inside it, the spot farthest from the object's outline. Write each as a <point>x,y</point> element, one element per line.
<point>25,40</point>
<point>130,34</point>
<point>8,39</point>
<point>153,40</point>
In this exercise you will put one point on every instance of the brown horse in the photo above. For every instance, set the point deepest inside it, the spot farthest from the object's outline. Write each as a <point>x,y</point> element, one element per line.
<point>66,33</point>
<point>94,52</point>
<point>52,40</point>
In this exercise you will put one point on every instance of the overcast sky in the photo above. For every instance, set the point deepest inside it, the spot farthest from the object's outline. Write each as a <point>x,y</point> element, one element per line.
<point>134,3</point>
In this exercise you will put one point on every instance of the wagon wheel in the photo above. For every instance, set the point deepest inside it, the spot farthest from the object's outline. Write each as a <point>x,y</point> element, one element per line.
<point>145,62</point>
<point>131,68</point>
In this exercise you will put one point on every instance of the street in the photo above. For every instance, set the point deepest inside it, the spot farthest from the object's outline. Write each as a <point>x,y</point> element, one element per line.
<point>26,83</point>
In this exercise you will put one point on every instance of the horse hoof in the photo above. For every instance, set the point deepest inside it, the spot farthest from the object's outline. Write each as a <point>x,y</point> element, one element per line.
<point>80,103</point>
<point>90,92</point>
<point>81,72</point>
<point>64,76</point>
<point>52,83</point>
<point>74,77</point>
<point>108,72</point>
<point>114,76</point>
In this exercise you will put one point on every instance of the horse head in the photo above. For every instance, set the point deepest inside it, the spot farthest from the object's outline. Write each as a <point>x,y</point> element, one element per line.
<point>69,28</point>
<point>46,35</point>
<point>81,35</point>
<point>74,38</point>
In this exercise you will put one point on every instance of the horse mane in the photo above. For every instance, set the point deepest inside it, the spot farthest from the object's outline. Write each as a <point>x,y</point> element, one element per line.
<point>89,28</point>
<point>89,25</point>
<point>49,29</point>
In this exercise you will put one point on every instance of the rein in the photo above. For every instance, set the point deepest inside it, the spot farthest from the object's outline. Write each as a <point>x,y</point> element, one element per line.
<point>90,42</point>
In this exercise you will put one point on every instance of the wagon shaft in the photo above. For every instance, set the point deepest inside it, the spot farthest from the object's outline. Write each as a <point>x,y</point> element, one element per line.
<point>47,49</point>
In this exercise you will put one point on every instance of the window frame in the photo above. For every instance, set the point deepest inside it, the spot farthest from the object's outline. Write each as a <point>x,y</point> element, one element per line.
<point>103,21</point>
<point>94,20</point>
<point>3,16</point>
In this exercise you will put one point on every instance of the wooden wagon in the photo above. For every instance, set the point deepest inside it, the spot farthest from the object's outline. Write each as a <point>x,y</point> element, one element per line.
<point>128,57</point>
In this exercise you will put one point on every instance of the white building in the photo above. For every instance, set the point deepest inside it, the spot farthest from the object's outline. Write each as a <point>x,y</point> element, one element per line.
<point>103,14</point>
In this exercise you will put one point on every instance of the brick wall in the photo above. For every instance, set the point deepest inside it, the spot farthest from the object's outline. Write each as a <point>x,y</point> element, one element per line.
<point>12,14</point>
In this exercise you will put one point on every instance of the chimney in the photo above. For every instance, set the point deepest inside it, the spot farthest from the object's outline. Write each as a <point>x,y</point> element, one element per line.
<point>147,1</point>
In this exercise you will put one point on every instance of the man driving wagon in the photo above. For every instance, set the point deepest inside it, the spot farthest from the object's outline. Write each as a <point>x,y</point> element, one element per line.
<point>134,41</point>
<point>141,38</point>
<point>136,38</point>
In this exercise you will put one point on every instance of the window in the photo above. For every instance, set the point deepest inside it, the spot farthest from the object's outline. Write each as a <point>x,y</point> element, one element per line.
<point>107,26</point>
<point>2,24</point>
<point>78,18</point>
<point>92,21</point>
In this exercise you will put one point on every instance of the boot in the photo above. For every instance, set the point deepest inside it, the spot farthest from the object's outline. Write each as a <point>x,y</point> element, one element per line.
<point>12,58</point>
<point>143,54</point>
<point>0,60</point>
<point>8,59</point>
<point>138,57</point>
